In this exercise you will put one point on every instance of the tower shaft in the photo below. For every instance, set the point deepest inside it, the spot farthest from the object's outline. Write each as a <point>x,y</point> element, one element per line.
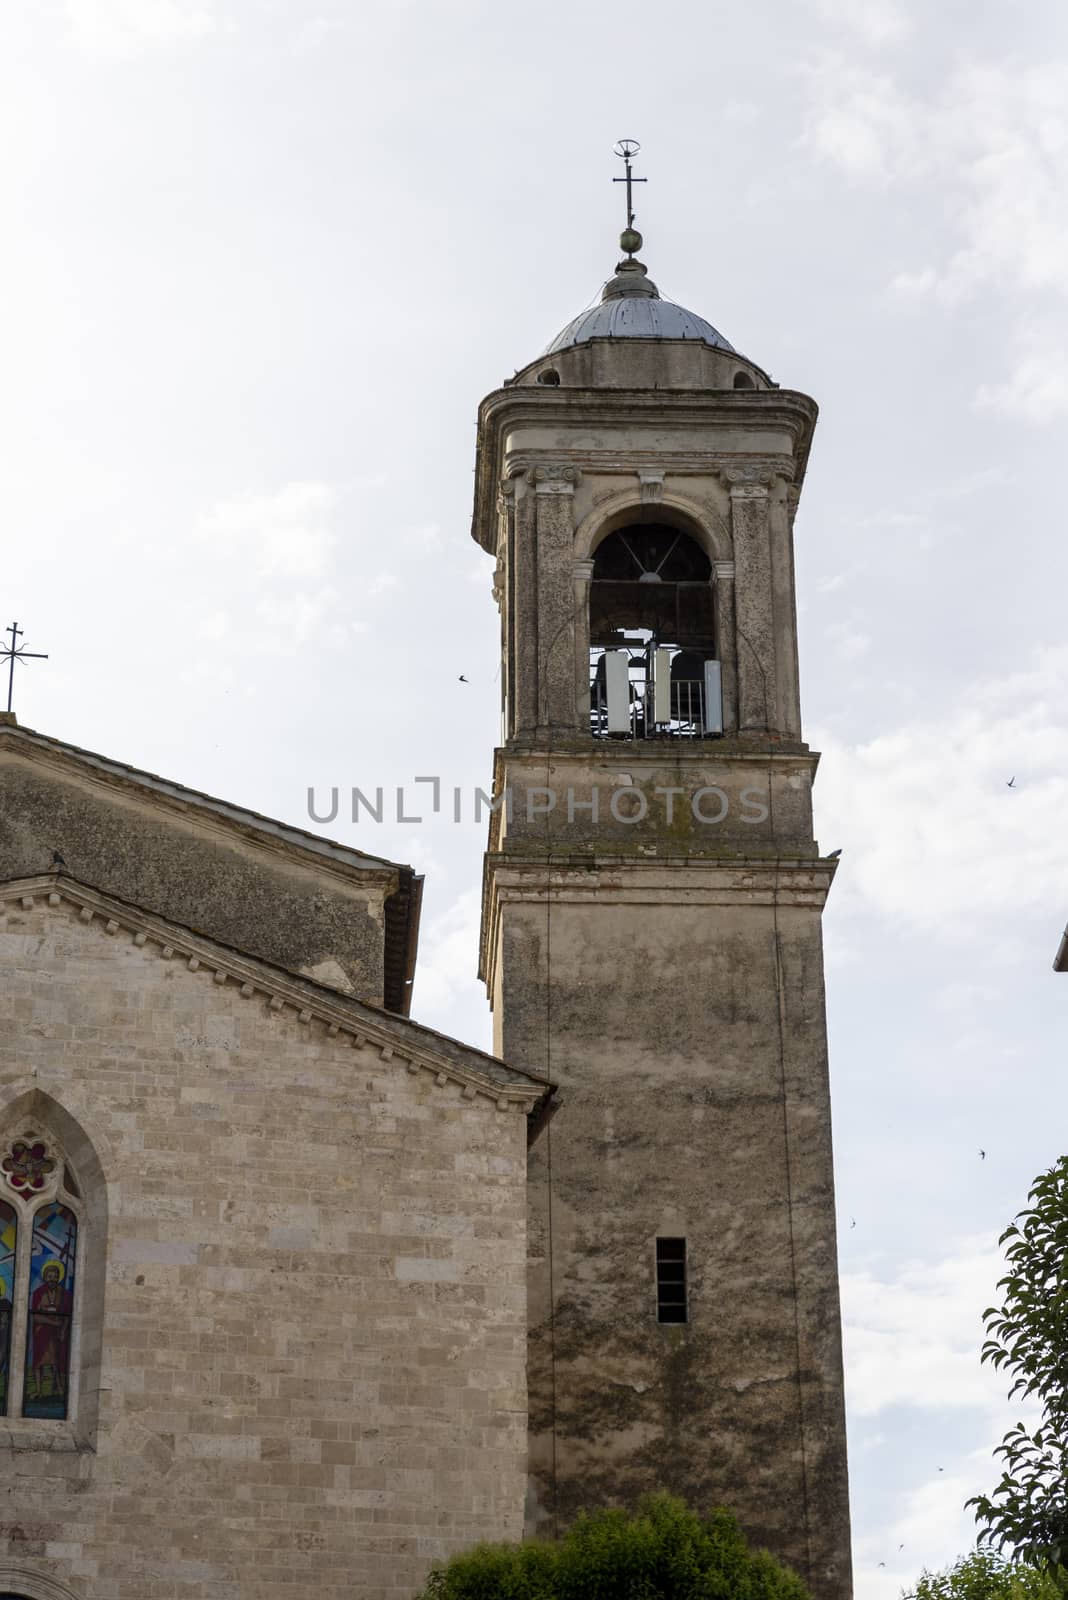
<point>652,942</point>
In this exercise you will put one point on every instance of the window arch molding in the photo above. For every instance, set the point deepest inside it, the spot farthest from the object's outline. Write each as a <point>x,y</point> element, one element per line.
<point>29,1116</point>
<point>710,531</point>
<point>15,1580</point>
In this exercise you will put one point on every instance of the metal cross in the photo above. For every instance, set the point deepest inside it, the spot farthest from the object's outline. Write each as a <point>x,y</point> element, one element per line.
<point>14,653</point>
<point>627,148</point>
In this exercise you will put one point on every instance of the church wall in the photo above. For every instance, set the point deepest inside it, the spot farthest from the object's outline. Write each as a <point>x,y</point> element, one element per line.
<point>264,901</point>
<point>312,1363</point>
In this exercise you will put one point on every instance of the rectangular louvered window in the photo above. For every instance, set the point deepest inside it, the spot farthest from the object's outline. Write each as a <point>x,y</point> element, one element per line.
<point>671,1280</point>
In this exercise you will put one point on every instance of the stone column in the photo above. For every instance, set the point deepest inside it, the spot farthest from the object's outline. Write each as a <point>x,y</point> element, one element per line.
<point>522,610</point>
<point>554,489</point>
<point>754,609</point>
<point>727,642</point>
<point>582,576</point>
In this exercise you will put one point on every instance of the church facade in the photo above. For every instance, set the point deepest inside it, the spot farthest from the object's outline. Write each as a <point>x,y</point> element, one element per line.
<point>297,1294</point>
<point>262,1238</point>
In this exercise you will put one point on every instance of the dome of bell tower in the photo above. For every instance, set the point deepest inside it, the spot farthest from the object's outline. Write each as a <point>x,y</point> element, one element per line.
<point>631,308</point>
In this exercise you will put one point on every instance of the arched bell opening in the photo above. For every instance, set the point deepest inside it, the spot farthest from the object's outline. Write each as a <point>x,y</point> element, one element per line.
<point>654,665</point>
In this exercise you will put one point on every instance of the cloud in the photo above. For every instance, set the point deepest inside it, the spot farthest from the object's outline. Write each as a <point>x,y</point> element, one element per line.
<point>118,29</point>
<point>284,535</point>
<point>913,1339</point>
<point>877,22</point>
<point>447,956</point>
<point>990,144</point>
<point>934,838</point>
<point>1035,391</point>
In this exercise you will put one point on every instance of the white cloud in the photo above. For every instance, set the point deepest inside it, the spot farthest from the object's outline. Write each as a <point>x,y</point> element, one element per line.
<point>1035,391</point>
<point>847,640</point>
<point>913,1339</point>
<point>116,29</point>
<point>447,955</point>
<point>877,22</point>
<point>934,838</point>
<point>284,535</point>
<point>990,147</point>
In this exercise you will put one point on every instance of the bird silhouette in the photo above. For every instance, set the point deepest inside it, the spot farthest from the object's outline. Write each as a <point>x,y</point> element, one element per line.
<point>982,1155</point>
<point>852,1222</point>
<point>57,859</point>
<point>832,855</point>
<point>1011,781</point>
<point>462,678</point>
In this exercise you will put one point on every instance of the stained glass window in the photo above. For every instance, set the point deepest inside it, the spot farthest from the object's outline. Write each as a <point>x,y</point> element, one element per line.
<point>51,1308</point>
<point>9,1236</point>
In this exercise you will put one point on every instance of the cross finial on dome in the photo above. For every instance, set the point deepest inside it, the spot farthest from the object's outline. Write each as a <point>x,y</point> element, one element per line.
<point>631,276</point>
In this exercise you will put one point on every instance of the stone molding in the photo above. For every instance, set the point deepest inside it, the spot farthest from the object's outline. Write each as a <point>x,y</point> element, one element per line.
<point>685,880</point>
<point>300,1000</point>
<point>757,472</point>
<point>652,486</point>
<point>555,478</point>
<point>19,1578</point>
<point>797,882</point>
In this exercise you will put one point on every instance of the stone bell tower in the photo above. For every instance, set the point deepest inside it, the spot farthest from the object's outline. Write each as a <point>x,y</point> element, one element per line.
<point>651,933</point>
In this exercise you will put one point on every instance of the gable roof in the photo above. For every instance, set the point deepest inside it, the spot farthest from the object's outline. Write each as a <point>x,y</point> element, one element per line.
<point>402,907</point>
<point>350,1021</point>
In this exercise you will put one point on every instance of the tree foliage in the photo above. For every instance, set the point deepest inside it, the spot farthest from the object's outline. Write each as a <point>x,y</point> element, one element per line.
<point>984,1575</point>
<point>1027,1335</point>
<point>663,1552</point>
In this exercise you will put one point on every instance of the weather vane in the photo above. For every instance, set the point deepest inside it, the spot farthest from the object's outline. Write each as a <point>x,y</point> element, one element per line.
<point>12,653</point>
<point>627,148</point>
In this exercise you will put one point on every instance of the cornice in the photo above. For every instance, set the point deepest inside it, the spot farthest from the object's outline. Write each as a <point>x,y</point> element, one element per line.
<point>739,408</point>
<point>798,882</point>
<point>299,1000</point>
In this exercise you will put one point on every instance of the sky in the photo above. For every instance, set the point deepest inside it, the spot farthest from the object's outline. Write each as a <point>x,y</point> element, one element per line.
<point>263,258</point>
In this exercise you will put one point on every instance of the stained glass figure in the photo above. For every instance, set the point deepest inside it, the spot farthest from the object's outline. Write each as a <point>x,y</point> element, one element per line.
<point>27,1166</point>
<point>9,1233</point>
<point>53,1248</point>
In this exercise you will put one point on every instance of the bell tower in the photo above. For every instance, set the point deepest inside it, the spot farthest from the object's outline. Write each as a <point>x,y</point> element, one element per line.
<point>651,932</point>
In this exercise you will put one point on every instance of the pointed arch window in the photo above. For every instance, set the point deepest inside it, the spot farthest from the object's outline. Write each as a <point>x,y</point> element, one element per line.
<point>40,1207</point>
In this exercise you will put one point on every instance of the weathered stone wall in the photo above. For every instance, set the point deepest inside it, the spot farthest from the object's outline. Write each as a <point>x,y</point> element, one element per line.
<point>683,1021</point>
<point>312,1364</point>
<point>192,868</point>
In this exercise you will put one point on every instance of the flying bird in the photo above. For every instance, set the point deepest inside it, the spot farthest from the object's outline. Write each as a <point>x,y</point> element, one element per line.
<point>982,1155</point>
<point>1011,781</point>
<point>852,1222</point>
<point>462,678</point>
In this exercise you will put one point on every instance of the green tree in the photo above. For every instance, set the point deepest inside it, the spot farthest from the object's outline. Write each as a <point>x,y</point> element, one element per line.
<point>663,1552</point>
<point>985,1575</point>
<point>1027,1335</point>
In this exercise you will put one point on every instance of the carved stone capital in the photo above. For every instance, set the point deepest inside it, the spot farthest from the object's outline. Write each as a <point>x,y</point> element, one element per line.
<point>652,486</point>
<point>749,491</point>
<point>724,571</point>
<point>582,571</point>
<point>554,479</point>
<point>755,472</point>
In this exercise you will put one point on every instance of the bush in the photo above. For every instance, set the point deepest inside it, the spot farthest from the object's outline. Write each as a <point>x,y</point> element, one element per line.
<point>986,1576</point>
<point>663,1552</point>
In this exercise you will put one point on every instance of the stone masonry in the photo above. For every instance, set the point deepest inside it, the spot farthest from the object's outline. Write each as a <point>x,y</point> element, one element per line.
<point>301,1357</point>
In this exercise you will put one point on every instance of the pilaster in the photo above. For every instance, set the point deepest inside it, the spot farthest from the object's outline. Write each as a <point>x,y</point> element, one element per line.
<point>554,489</point>
<point>754,609</point>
